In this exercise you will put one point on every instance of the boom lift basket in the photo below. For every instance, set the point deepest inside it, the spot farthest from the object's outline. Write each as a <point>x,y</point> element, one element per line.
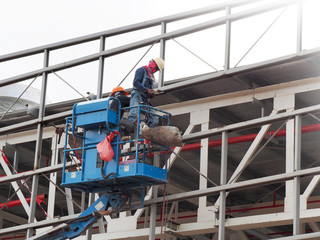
<point>91,123</point>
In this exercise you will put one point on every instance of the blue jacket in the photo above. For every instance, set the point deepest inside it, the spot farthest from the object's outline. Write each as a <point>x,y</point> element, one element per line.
<point>142,82</point>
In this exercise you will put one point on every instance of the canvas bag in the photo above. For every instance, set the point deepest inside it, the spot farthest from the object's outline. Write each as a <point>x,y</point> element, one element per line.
<point>104,147</point>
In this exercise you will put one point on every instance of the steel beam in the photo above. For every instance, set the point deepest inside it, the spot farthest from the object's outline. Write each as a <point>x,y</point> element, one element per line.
<point>24,175</point>
<point>189,229</point>
<point>250,123</point>
<point>223,181</point>
<point>312,185</point>
<point>315,235</point>
<point>162,53</point>
<point>204,164</point>
<point>148,41</point>
<point>205,103</point>
<point>229,99</point>
<point>44,223</point>
<point>37,155</point>
<point>227,41</point>
<point>297,166</point>
<point>101,68</point>
<point>126,29</point>
<point>299,25</point>
<point>33,123</point>
<point>238,186</point>
<point>236,224</point>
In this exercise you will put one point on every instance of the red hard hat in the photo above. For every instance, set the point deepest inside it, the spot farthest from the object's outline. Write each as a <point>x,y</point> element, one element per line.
<point>118,89</point>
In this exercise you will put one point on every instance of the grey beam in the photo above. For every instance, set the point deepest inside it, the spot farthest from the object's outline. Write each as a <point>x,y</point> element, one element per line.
<point>31,123</point>
<point>237,186</point>
<point>25,175</point>
<point>315,235</point>
<point>148,41</point>
<point>38,150</point>
<point>125,29</point>
<point>223,181</point>
<point>44,223</point>
<point>249,123</point>
<point>183,84</point>
<point>296,182</point>
<point>239,70</point>
<point>192,194</point>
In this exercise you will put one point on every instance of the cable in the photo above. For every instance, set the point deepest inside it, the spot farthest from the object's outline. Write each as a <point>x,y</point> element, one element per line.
<point>62,191</point>
<point>315,117</point>
<point>195,54</point>
<point>15,193</point>
<point>71,86</point>
<point>195,169</point>
<point>260,37</point>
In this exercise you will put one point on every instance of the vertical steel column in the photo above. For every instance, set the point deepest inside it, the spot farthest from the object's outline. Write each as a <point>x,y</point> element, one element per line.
<point>204,165</point>
<point>146,217</point>
<point>296,180</point>
<point>53,176</point>
<point>299,25</point>
<point>162,53</point>
<point>89,231</point>
<point>37,156</point>
<point>153,216</point>
<point>15,159</point>
<point>227,40</point>
<point>101,68</point>
<point>153,207</point>
<point>83,201</point>
<point>223,181</point>
<point>1,219</point>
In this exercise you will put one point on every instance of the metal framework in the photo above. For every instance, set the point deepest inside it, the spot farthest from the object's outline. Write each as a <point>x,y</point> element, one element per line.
<point>209,219</point>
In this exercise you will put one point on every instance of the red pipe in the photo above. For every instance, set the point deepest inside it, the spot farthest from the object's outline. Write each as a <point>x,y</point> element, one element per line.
<point>247,138</point>
<point>14,203</point>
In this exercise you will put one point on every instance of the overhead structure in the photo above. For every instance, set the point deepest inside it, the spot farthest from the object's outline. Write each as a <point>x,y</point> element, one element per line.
<point>248,167</point>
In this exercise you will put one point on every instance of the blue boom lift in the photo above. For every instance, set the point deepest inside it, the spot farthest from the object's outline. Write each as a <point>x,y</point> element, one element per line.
<point>127,172</point>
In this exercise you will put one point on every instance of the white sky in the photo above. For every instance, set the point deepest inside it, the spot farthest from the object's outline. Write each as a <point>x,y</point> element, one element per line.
<point>27,24</point>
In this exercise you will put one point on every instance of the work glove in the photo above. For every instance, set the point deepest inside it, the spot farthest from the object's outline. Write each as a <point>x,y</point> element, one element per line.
<point>151,93</point>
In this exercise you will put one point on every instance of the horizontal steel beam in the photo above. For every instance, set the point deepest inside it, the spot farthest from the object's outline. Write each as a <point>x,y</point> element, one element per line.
<point>182,196</point>
<point>44,223</point>
<point>34,122</point>
<point>24,175</point>
<point>249,124</point>
<point>239,70</point>
<point>146,42</point>
<point>305,236</point>
<point>126,29</point>
<point>236,186</point>
<point>244,96</point>
<point>211,77</point>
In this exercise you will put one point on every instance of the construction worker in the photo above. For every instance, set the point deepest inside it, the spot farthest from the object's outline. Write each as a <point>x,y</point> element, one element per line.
<point>126,127</point>
<point>122,95</point>
<point>143,89</point>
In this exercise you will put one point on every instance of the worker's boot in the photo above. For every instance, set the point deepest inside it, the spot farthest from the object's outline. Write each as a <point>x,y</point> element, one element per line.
<point>126,125</point>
